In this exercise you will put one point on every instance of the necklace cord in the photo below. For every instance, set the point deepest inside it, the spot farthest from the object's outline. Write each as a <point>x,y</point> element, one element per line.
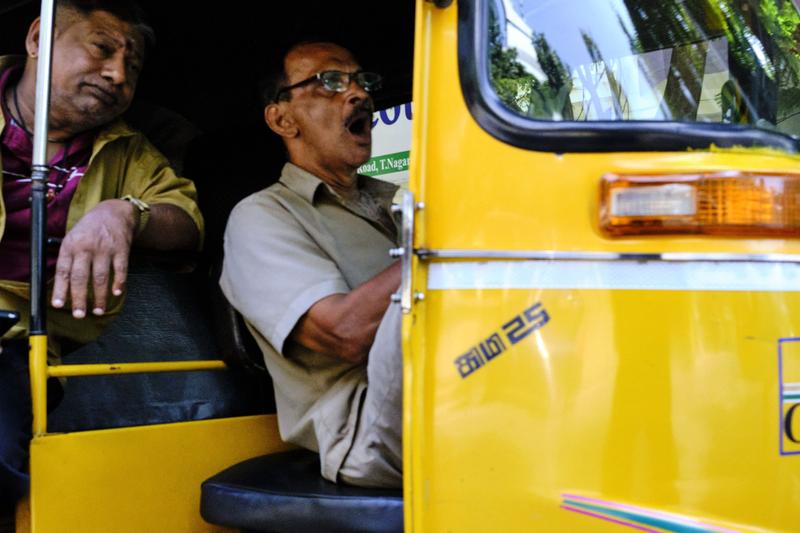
<point>16,116</point>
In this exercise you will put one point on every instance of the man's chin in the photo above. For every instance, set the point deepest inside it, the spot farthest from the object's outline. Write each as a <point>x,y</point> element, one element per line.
<point>362,154</point>
<point>359,162</point>
<point>94,116</point>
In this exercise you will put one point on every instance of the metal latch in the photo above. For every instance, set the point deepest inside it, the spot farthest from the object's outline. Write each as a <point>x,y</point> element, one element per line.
<point>407,209</point>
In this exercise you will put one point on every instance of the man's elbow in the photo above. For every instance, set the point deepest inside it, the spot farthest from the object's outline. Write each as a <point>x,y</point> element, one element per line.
<point>185,229</point>
<point>192,238</point>
<point>170,229</point>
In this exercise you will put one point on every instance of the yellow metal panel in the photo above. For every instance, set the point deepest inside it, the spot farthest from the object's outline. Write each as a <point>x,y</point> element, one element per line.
<point>665,400</point>
<point>413,344</point>
<point>627,401</point>
<point>481,193</point>
<point>140,478</point>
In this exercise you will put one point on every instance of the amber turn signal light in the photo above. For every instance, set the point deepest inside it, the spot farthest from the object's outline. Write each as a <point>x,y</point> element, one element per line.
<point>732,204</point>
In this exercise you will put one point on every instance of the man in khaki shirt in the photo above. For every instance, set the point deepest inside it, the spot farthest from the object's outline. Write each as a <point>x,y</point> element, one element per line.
<point>307,263</point>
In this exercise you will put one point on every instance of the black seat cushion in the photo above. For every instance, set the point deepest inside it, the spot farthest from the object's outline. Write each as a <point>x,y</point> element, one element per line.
<point>165,318</point>
<point>284,492</point>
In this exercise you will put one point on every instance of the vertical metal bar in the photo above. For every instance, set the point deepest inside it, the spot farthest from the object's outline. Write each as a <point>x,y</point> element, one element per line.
<point>38,322</point>
<point>38,374</point>
<point>407,208</point>
<point>407,243</point>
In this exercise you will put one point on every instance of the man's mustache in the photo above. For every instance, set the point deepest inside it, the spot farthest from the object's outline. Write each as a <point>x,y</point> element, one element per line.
<point>363,107</point>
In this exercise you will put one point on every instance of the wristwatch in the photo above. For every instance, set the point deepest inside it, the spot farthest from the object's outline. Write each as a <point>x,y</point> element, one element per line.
<point>144,212</point>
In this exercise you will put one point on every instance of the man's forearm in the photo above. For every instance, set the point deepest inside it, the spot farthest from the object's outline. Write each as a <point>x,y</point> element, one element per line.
<point>168,228</point>
<point>344,325</point>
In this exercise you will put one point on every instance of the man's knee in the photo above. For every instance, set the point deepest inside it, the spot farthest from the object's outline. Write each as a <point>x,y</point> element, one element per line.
<point>15,422</point>
<point>387,338</point>
<point>374,471</point>
<point>14,482</point>
<point>14,439</point>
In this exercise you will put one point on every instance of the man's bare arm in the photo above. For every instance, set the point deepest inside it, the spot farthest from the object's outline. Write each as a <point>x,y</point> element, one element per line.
<point>344,325</point>
<point>169,228</point>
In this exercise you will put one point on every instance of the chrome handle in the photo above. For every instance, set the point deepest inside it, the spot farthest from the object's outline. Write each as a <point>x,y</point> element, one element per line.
<point>405,251</point>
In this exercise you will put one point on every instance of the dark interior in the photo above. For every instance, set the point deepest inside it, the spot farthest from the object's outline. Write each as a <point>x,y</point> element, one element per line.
<point>207,62</point>
<point>201,80</point>
<point>207,58</point>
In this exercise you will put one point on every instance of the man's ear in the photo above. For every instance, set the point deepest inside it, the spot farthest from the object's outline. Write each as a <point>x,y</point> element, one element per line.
<point>32,39</point>
<point>279,119</point>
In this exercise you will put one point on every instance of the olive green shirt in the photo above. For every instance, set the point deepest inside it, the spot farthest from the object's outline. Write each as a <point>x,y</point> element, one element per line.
<point>286,248</point>
<point>122,163</point>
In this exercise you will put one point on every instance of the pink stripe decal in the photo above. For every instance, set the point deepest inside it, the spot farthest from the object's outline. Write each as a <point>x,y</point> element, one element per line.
<point>608,519</point>
<point>649,512</point>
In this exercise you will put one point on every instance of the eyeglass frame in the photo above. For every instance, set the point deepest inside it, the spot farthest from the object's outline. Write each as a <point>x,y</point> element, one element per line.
<point>318,77</point>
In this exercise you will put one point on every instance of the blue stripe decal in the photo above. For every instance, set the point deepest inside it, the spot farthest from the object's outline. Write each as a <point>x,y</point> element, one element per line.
<point>641,518</point>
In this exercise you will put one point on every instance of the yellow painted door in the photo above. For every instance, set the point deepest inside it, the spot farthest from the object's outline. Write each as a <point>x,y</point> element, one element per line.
<point>561,380</point>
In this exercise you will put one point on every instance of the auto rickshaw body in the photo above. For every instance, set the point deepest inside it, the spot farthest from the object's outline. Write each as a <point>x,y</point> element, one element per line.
<point>601,283</point>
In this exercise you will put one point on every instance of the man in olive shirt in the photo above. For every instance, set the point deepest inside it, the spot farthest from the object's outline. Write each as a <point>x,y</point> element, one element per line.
<point>108,188</point>
<point>307,263</point>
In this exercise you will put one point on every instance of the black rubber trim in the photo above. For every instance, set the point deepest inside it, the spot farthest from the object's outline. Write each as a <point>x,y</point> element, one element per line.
<point>600,136</point>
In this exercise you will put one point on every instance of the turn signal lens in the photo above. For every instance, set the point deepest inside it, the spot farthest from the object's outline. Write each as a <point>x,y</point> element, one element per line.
<point>734,204</point>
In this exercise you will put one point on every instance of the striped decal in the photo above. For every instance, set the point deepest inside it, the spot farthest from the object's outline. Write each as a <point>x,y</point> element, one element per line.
<point>622,275</point>
<point>637,517</point>
<point>791,392</point>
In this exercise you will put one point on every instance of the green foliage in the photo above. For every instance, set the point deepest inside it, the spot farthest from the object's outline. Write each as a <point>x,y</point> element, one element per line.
<point>782,23</point>
<point>519,89</point>
<point>550,99</point>
<point>506,73</point>
<point>763,54</point>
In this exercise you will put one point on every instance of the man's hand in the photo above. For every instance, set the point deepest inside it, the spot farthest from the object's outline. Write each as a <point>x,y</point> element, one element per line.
<point>100,241</point>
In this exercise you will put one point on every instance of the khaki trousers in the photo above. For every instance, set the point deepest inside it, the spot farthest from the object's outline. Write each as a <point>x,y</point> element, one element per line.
<point>376,456</point>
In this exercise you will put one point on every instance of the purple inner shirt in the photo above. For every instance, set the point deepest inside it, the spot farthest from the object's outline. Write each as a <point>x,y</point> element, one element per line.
<point>67,167</point>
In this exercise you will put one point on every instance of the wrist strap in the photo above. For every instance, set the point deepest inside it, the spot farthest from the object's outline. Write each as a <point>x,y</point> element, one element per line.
<point>144,212</point>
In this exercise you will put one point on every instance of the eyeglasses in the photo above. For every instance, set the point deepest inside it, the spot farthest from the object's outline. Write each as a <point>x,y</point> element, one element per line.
<point>337,81</point>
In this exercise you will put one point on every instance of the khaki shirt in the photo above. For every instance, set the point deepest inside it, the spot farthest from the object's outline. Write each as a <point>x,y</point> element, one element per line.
<point>286,248</point>
<point>122,163</point>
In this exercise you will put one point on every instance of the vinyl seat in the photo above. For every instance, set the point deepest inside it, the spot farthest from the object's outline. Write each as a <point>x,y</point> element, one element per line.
<point>285,492</point>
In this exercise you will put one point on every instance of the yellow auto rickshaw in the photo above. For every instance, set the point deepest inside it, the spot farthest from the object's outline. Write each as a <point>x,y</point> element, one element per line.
<point>601,278</point>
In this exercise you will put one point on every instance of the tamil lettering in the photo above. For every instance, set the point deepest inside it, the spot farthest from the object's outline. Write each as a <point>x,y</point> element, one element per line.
<point>513,331</point>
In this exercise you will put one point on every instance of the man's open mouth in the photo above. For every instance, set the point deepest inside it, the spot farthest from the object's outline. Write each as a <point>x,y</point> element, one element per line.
<point>359,123</point>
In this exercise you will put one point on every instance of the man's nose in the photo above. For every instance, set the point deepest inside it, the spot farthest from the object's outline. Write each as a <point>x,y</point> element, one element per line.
<point>115,68</point>
<point>356,92</point>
